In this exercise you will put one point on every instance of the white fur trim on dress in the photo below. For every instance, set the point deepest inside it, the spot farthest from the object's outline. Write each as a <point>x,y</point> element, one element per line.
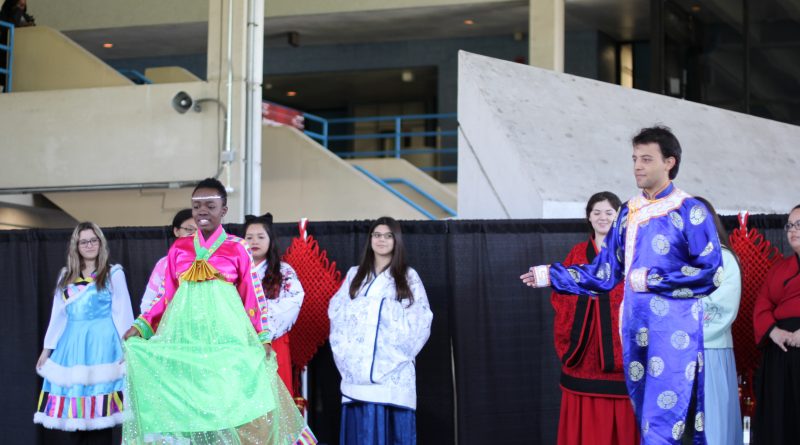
<point>98,423</point>
<point>81,374</point>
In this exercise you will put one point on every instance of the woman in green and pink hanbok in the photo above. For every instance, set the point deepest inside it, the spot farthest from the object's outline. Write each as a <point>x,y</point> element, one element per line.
<point>197,368</point>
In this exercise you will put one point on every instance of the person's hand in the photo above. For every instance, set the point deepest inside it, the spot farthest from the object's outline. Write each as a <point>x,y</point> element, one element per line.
<point>268,350</point>
<point>43,358</point>
<point>132,332</point>
<point>794,340</point>
<point>781,338</point>
<point>529,278</point>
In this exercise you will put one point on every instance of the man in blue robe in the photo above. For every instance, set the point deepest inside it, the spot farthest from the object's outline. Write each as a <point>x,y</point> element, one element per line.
<point>666,248</point>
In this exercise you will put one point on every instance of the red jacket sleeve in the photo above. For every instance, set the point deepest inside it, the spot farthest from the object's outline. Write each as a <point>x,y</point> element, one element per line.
<point>564,306</point>
<point>763,316</point>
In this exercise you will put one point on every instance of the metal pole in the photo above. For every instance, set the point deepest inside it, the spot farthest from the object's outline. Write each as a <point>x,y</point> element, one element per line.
<point>252,149</point>
<point>304,390</point>
<point>747,44</point>
<point>10,64</point>
<point>228,153</point>
<point>398,127</point>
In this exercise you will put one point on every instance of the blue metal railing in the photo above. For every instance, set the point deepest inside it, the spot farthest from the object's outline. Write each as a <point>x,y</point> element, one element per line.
<point>394,191</point>
<point>7,51</point>
<point>135,76</point>
<point>324,136</point>
<point>321,133</point>
<point>425,194</point>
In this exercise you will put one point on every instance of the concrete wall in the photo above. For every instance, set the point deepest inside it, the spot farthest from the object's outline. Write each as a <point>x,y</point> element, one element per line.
<point>95,136</point>
<point>81,123</point>
<point>120,208</point>
<point>299,179</point>
<point>45,59</point>
<point>170,74</point>
<point>13,216</point>
<point>535,143</point>
<point>196,64</point>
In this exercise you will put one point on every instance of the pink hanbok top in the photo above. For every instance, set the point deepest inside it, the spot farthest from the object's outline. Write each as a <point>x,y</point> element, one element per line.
<point>232,260</point>
<point>155,286</point>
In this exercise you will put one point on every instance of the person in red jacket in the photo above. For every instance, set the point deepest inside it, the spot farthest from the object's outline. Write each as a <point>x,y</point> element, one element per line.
<point>776,320</point>
<point>595,408</point>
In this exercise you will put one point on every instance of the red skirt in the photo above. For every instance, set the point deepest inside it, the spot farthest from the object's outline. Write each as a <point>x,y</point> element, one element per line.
<point>281,347</point>
<point>595,420</point>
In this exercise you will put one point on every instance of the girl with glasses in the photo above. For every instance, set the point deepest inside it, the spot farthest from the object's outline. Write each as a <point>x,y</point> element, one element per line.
<point>82,357</point>
<point>282,288</point>
<point>380,320</point>
<point>182,225</point>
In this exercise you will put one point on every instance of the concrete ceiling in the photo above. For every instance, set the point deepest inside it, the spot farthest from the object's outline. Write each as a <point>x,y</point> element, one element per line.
<point>621,19</point>
<point>144,41</point>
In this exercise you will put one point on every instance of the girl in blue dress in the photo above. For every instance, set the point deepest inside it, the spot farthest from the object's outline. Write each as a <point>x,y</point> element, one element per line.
<point>81,362</point>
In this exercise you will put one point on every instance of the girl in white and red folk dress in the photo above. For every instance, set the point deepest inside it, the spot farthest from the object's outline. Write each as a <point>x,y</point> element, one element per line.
<point>282,288</point>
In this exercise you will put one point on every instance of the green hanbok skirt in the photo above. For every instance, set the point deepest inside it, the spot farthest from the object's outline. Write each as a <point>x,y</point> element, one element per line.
<point>203,377</point>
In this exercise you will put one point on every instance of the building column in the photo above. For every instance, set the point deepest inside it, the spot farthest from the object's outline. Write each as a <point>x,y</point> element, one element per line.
<point>657,64</point>
<point>227,68</point>
<point>546,34</point>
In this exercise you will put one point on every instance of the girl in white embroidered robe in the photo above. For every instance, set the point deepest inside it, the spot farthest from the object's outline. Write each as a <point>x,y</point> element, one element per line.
<point>380,320</point>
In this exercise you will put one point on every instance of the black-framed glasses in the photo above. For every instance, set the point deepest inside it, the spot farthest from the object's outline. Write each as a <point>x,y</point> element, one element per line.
<point>789,226</point>
<point>378,235</point>
<point>189,230</point>
<point>89,242</point>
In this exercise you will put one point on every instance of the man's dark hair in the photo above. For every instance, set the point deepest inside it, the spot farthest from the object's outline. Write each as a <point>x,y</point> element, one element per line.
<point>667,142</point>
<point>213,183</point>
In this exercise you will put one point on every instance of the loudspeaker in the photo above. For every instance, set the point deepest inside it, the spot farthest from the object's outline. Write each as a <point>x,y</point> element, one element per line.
<point>182,102</point>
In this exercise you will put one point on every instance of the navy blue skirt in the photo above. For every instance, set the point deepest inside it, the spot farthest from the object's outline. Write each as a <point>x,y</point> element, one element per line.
<point>373,424</point>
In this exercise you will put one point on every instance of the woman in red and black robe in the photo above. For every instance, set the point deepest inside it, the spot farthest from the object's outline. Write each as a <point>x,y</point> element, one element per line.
<point>776,319</point>
<point>595,408</point>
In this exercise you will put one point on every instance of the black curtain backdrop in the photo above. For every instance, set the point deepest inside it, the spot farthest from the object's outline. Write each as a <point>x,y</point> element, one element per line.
<point>488,372</point>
